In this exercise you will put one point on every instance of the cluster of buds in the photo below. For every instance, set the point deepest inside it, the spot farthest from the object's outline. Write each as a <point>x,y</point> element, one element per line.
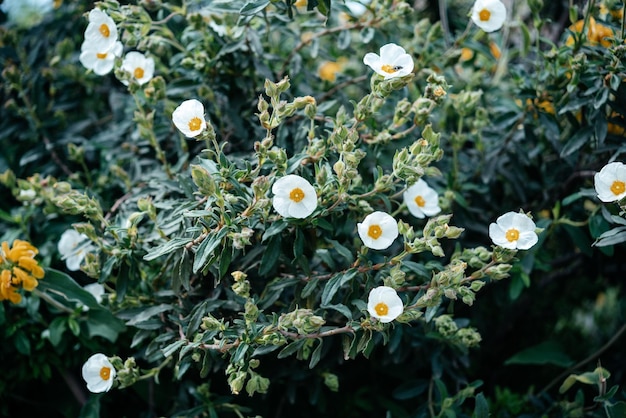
<point>413,162</point>
<point>127,371</point>
<point>466,337</point>
<point>241,286</point>
<point>303,320</point>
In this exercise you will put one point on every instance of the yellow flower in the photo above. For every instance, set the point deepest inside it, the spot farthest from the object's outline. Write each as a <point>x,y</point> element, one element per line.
<point>328,69</point>
<point>597,33</point>
<point>18,268</point>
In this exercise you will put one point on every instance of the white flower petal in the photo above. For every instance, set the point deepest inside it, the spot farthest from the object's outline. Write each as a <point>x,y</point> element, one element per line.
<point>517,223</point>
<point>185,113</point>
<point>489,15</point>
<point>605,180</point>
<point>91,372</point>
<point>388,297</point>
<point>283,202</point>
<point>387,230</point>
<point>392,62</point>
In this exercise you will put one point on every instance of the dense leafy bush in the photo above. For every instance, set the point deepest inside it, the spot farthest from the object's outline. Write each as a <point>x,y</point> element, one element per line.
<point>282,208</point>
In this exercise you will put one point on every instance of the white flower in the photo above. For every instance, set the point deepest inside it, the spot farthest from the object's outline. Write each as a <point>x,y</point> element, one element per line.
<point>294,197</point>
<point>392,62</point>
<point>101,32</point>
<point>384,304</point>
<point>189,118</point>
<point>100,61</point>
<point>99,373</point>
<point>489,15</point>
<point>140,67</point>
<point>26,13</point>
<point>513,231</point>
<point>610,182</point>
<point>421,200</point>
<point>72,248</point>
<point>378,230</point>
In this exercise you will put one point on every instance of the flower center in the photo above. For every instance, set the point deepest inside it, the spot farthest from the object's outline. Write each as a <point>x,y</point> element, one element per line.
<point>195,124</point>
<point>390,69</point>
<point>105,373</point>
<point>138,73</point>
<point>296,194</point>
<point>381,308</point>
<point>484,15</point>
<point>512,235</point>
<point>101,55</point>
<point>618,187</point>
<point>104,30</point>
<point>420,201</point>
<point>374,231</point>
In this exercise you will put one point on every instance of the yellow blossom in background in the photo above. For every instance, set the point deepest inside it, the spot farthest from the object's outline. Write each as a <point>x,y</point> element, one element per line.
<point>466,54</point>
<point>597,33</point>
<point>18,268</point>
<point>328,70</point>
<point>494,49</point>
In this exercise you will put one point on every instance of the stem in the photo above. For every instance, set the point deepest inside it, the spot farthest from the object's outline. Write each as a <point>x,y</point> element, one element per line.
<point>52,301</point>
<point>343,330</point>
<point>580,364</point>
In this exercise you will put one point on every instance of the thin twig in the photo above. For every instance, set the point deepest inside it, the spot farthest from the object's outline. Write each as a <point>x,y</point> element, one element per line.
<point>580,364</point>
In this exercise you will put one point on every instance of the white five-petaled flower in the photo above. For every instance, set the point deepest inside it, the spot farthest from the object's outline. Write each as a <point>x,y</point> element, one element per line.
<point>101,32</point>
<point>378,230</point>
<point>189,118</point>
<point>421,200</point>
<point>514,231</point>
<point>99,373</point>
<point>73,247</point>
<point>294,197</point>
<point>140,67</point>
<point>489,15</point>
<point>392,62</point>
<point>384,304</point>
<point>99,60</point>
<point>610,182</point>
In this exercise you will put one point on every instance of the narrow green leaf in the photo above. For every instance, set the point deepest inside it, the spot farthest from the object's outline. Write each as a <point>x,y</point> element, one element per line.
<point>206,248</point>
<point>334,284</point>
<point>315,357</point>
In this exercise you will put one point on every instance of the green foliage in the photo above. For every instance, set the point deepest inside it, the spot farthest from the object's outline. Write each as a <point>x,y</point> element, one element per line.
<point>216,305</point>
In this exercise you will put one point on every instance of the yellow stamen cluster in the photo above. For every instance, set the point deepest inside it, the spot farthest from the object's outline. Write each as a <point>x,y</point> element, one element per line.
<point>18,268</point>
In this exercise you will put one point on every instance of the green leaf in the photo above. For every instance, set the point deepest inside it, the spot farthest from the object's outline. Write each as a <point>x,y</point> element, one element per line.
<point>270,256</point>
<point>58,283</point>
<point>291,348</point>
<point>411,389</point>
<point>315,357</point>
<point>102,323</point>
<point>547,352</point>
<point>167,248</point>
<point>616,410</point>
<point>148,313</point>
<point>275,228</point>
<point>206,248</point>
<point>579,139</point>
<point>253,7</point>
<point>334,284</point>
<point>481,410</point>
<point>611,237</point>
<point>91,408</point>
<point>57,328</point>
